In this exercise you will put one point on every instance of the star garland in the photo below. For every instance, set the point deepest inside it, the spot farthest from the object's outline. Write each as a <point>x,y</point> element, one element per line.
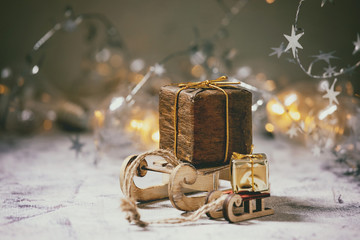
<point>199,54</point>
<point>293,41</point>
<point>316,133</point>
<point>278,51</point>
<point>331,94</point>
<point>294,45</point>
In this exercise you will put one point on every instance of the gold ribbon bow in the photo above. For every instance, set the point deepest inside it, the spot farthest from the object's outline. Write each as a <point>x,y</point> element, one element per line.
<point>213,84</point>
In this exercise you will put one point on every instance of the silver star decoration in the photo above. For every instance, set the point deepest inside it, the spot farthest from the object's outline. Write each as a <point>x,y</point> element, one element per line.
<point>316,151</point>
<point>293,41</point>
<point>292,132</point>
<point>331,94</point>
<point>329,71</point>
<point>158,69</point>
<point>278,51</point>
<point>76,144</point>
<point>325,57</point>
<point>324,1</point>
<point>357,45</point>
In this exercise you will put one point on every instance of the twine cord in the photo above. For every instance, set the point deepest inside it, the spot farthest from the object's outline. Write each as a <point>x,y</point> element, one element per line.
<point>128,204</point>
<point>131,170</point>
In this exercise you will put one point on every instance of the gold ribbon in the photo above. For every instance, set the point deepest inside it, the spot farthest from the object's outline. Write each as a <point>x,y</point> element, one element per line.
<point>252,174</point>
<point>217,84</point>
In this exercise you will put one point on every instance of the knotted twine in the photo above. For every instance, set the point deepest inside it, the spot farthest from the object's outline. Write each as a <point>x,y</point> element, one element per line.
<point>128,204</point>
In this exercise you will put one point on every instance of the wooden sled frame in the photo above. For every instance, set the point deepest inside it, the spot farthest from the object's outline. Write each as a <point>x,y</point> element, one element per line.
<point>182,179</point>
<point>239,207</point>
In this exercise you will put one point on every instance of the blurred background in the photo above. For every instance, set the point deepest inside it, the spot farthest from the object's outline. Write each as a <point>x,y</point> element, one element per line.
<point>97,66</point>
<point>153,29</point>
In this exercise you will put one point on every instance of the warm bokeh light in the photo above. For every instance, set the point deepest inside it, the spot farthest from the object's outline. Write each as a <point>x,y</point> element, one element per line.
<point>155,136</point>
<point>103,69</point>
<point>145,126</point>
<point>47,124</point>
<point>275,107</point>
<point>270,1</point>
<point>197,71</point>
<point>136,124</point>
<point>307,114</point>
<point>116,61</point>
<point>45,98</point>
<point>295,115</point>
<point>269,127</point>
<point>99,118</point>
<point>138,77</point>
<point>270,85</point>
<point>284,110</point>
<point>261,76</point>
<point>3,89</point>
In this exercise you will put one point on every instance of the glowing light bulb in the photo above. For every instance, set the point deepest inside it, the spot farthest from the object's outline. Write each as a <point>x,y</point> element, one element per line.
<point>116,103</point>
<point>278,109</point>
<point>35,70</point>
<point>155,136</point>
<point>290,99</point>
<point>295,115</point>
<point>327,111</point>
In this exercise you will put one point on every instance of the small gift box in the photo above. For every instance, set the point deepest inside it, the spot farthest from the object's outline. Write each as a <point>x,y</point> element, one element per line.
<point>205,122</point>
<point>249,172</point>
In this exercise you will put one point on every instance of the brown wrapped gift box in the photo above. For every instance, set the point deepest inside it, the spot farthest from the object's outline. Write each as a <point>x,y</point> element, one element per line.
<point>201,116</point>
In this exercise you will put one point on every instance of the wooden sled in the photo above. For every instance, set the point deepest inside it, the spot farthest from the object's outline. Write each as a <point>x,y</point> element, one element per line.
<point>241,206</point>
<point>177,182</point>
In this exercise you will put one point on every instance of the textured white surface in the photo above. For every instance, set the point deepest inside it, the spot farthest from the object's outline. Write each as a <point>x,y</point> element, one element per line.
<point>48,193</point>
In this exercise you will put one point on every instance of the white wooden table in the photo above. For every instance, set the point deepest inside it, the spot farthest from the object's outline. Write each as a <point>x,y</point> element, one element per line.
<point>48,193</point>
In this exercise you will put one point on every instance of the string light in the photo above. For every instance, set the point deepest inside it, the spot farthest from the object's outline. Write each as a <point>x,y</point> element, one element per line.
<point>290,99</point>
<point>327,111</point>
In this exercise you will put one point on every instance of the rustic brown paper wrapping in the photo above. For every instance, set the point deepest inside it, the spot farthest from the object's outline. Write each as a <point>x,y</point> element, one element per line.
<point>201,114</point>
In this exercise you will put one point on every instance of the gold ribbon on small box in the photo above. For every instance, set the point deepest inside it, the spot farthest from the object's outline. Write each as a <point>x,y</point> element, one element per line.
<point>240,156</point>
<point>217,84</point>
<point>251,156</point>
